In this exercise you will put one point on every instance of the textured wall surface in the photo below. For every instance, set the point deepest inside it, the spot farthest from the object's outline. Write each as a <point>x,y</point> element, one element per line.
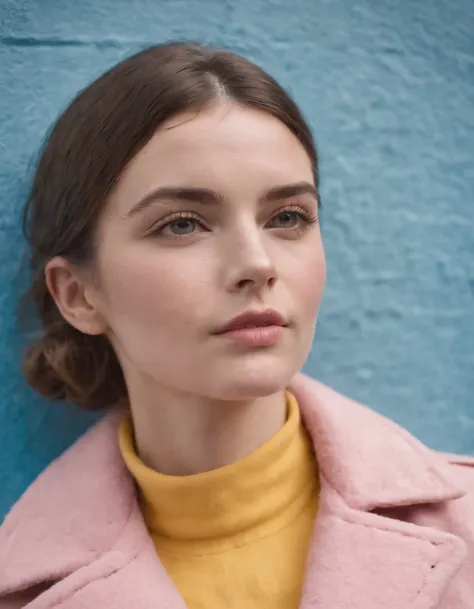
<point>388,87</point>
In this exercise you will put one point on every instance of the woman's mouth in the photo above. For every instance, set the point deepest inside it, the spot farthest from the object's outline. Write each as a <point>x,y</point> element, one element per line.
<point>254,328</point>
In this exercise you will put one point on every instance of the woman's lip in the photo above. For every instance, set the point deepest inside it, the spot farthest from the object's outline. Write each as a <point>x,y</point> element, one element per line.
<point>265,318</point>
<point>261,336</point>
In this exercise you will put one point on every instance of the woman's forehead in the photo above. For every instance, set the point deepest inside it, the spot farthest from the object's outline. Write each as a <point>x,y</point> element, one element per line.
<point>216,148</point>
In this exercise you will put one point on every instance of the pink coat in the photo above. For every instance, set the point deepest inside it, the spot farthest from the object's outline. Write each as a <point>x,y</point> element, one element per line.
<point>395,529</point>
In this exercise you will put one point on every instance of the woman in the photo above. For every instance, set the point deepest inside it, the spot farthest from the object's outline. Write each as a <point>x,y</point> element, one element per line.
<point>178,269</point>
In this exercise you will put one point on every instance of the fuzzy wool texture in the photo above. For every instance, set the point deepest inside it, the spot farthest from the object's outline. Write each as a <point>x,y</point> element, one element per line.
<point>404,540</point>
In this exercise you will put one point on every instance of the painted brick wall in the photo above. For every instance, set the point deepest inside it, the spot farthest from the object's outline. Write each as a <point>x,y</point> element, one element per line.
<point>388,87</point>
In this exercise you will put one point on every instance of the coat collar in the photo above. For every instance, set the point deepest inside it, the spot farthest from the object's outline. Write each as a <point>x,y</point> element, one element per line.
<point>368,459</point>
<point>80,507</point>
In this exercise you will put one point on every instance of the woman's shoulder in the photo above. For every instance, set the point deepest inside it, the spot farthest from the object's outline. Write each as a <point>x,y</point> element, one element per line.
<point>360,448</point>
<point>83,464</point>
<point>82,499</point>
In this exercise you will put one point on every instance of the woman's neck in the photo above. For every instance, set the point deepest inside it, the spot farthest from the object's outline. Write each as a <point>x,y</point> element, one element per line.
<point>181,434</point>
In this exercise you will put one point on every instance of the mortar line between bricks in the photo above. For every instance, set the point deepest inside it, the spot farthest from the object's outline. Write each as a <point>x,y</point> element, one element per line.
<point>33,41</point>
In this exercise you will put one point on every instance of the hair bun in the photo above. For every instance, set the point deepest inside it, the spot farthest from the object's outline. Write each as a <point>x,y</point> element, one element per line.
<point>75,367</point>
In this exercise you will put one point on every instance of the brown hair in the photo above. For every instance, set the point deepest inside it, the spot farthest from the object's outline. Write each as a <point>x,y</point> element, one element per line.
<point>81,160</point>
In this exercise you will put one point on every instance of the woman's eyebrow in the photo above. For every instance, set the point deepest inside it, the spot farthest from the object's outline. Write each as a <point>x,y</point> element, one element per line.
<point>186,194</point>
<point>279,193</point>
<point>208,196</point>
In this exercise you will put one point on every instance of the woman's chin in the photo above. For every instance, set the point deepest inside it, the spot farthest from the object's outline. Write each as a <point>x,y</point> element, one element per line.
<point>253,386</point>
<point>259,376</point>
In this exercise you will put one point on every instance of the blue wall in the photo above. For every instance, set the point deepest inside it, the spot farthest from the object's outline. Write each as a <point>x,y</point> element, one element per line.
<point>388,87</point>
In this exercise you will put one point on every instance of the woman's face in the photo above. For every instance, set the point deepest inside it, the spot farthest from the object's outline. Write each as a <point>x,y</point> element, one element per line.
<point>214,217</point>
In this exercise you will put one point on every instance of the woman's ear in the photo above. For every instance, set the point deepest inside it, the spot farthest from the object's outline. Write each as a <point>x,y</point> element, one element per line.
<point>75,296</point>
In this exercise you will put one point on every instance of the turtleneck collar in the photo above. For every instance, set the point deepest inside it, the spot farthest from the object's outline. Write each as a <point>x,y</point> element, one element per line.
<point>255,495</point>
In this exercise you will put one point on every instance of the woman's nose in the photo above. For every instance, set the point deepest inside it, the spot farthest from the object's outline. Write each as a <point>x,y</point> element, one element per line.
<point>251,266</point>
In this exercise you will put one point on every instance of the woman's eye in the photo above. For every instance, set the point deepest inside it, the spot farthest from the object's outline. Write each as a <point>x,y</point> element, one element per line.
<point>286,219</point>
<point>289,218</point>
<point>183,226</point>
<point>180,227</point>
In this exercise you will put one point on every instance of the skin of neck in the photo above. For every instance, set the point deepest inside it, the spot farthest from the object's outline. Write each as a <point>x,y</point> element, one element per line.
<point>185,434</point>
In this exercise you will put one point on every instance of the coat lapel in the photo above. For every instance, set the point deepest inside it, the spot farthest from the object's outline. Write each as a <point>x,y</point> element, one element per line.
<point>359,558</point>
<point>362,560</point>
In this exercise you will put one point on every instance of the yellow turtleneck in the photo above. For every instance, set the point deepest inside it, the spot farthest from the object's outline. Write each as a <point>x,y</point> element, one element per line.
<point>236,536</point>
